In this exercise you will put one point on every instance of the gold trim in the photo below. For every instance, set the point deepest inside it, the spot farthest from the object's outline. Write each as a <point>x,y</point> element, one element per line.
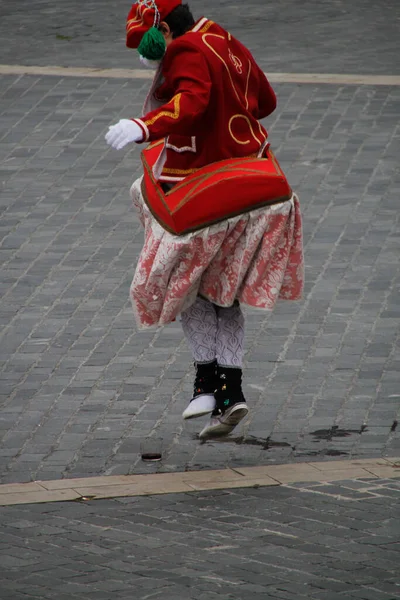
<point>247,86</point>
<point>166,113</point>
<point>157,217</point>
<point>178,171</point>
<point>192,192</point>
<point>213,221</point>
<point>206,27</point>
<point>276,164</point>
<point>201,176</point>
<point>138,19</point>
<point>237,63</point>
<point>250,126</point>
<point>206,35</point>
<point>234,214</point>
<point>235,90</point>
<point>159,192</point>
<point>261,131</point>
<point>154,144</point>
<point>200,180</point>
<point>191,196</point>
<point>244,160</point>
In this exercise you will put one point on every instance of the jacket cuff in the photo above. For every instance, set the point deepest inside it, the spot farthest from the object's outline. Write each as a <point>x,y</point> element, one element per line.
<point>144,128</point>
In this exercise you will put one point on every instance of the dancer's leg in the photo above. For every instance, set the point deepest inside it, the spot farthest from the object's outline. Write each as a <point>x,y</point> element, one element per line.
<point>230,402</point>
<point>230,336</point>
<point>199,324</point>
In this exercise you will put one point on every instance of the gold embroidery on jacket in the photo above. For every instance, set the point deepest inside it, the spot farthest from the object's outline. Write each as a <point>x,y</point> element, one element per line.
<point>261,130</point>
<point>247,85</point>
<point>235,60</point>
<point>168,171</point>
<point>250,127</point>
<point>167,113</point>
<point>207,26</point>
<point>221,37</point>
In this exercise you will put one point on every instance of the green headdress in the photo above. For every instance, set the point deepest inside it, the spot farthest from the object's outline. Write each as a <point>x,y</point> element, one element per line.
<point>152,45</point>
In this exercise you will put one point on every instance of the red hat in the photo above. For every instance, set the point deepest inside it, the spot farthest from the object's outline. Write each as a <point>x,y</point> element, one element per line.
<point>144,15</point>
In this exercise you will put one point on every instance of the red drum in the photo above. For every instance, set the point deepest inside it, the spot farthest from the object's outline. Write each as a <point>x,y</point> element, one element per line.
<point>213,193</point>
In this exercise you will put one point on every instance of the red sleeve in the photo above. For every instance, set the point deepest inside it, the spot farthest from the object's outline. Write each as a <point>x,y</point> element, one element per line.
<point>267,98</point>
<point>186,75</point>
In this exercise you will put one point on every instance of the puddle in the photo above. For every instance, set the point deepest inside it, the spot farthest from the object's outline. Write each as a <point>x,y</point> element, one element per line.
<point>264,443</point>
<point>322,452</point>
<point>336,432</point>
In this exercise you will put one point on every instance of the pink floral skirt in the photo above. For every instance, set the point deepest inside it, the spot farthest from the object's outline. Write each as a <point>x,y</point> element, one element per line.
<point>255,258</point>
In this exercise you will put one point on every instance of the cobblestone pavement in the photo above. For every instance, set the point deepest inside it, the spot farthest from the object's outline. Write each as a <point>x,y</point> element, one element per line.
<point>80,387</point>
<point>311,36</point>
<point>322,542</point>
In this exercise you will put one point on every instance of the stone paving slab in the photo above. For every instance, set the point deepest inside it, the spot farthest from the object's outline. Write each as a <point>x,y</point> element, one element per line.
<point>166,483</point>
<point>81,387</point>
<point>91,72</point>
<point>313,36</point>
<point>320,541</point>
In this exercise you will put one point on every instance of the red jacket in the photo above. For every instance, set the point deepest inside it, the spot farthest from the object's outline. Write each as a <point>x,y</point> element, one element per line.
<point>213,94</point>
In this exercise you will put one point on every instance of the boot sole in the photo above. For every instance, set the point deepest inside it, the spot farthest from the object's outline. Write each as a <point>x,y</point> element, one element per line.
<point>224,425</point>
<point>236,414</point>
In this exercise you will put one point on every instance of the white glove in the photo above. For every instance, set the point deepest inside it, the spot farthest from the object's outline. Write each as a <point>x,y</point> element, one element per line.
<point>123,133</point>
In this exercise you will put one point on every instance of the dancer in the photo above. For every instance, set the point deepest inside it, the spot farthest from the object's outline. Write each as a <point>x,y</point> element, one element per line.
<point>219,230</point>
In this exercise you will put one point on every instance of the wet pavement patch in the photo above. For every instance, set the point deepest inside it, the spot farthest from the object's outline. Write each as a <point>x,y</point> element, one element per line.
<point>336,432</point>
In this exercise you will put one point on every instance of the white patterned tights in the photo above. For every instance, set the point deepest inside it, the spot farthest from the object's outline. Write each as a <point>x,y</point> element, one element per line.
<point>213,333</point>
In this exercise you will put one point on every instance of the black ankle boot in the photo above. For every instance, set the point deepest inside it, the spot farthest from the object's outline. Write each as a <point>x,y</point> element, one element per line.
<point>229,391</point>
<point>206,379</point>
<point>230,408</point>
<point>203,401</point>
